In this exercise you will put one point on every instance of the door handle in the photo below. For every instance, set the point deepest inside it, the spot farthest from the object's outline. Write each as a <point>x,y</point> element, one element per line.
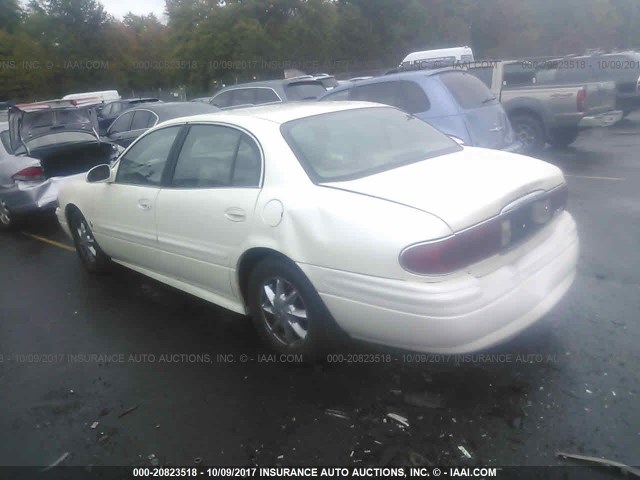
<point>235,214</point>
<point>144,204</point>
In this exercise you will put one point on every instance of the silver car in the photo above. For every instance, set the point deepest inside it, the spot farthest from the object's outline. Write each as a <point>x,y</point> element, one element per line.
<point>43,145</point>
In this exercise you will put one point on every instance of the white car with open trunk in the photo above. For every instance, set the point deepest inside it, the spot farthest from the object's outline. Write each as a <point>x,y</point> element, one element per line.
<point>314,217</point>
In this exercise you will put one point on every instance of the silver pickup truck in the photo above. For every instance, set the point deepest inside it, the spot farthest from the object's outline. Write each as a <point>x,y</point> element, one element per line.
<point>542,111</point>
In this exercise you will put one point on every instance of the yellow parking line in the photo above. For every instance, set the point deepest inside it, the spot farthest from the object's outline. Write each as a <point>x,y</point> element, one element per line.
<point>595,178</point>
<point>50,242</point>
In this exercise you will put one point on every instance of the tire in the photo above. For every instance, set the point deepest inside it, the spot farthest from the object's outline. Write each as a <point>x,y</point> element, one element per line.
<point>563,137</point>
<point>88,250</point>
<point>8,220</point>
<point>529,131</point>
<point>309,335</point>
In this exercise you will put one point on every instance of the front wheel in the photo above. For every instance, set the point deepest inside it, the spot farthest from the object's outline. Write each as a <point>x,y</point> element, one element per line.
<point>286,310</point>
<point>89,252</point>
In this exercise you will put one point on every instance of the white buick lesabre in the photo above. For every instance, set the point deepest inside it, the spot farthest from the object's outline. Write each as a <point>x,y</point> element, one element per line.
<point>316,218</point>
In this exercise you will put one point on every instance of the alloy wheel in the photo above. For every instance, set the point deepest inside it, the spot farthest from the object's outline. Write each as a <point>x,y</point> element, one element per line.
<point>284,312</point>
<point>5,215</point>
<point>86,242</point>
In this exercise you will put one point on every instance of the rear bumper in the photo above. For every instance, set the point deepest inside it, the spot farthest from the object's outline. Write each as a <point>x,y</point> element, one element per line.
<point>601,120</point>
<point>458,315</point>
<point>25,198</point>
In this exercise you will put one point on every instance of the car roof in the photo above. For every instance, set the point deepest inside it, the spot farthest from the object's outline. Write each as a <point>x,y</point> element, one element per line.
<point>283,112</point>
<point>175,109</point>
<point>270,83</point>
<point>393,76</point>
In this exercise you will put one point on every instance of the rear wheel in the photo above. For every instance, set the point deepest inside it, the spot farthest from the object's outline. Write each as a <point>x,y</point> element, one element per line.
<point>287,311</point>
<point>90,253</point>
<point>7,219</point>
<point>529,131</point>
<point>563,137</point>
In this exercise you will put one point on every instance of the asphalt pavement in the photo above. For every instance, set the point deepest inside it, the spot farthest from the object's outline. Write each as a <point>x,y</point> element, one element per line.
<point>121,370</point>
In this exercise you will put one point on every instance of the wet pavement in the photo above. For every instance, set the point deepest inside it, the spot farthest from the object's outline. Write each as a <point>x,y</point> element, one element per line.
<point>168,375</point>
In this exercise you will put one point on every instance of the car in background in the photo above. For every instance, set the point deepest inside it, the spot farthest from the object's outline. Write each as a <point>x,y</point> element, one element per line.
<point>328,81</point>
<point>201,99</point>
<point>453,101</point>
<point>272,91</point>
<point>623,68</point>
<point>541,108</point>
<point>442,57</point>
<point>42,146</point>
<point>110,111</point>
<point>135,121</point>
<point>100,96</point>
<point>277,212</point>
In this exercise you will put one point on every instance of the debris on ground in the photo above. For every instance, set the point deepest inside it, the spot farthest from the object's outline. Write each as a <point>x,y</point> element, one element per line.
<point>336,413</point>
<point>61,459</point>
<point>128,411</point>
<point>153,459</point>
<point>601,461</point>
<point>398,418</point>
<point>104,412</point>
<point>464,451</point>
<point>103,438</point>
<point>417,460</point>
<point>94,425</point>
<point>197,460</point>
<point>423,400</point>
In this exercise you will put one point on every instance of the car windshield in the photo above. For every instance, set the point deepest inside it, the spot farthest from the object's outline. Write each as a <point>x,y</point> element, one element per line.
<point>357,143</point>
<point>56,139</point>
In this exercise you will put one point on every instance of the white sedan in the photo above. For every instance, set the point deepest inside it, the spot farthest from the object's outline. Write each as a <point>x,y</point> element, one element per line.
<point>316,218</point>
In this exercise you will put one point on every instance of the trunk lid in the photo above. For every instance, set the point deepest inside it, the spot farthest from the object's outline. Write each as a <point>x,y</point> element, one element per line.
<point>31,121</point>
<point>462,188</point>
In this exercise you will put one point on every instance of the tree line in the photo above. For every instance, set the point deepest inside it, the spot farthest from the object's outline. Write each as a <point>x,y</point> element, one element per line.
<point>52,47</point>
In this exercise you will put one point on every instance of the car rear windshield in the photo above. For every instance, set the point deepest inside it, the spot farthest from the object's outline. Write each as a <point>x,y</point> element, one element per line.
<point>468,91</point>
<point>351,144</point>
<point>304,90</point>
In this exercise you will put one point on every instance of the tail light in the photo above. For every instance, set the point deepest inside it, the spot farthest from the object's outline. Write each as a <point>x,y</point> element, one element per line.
<point>29,174</point>
<point>483,240</point>
<point>582,96</point>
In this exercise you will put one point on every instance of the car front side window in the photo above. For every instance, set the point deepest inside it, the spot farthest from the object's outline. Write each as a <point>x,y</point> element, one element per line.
<point>145,161</point>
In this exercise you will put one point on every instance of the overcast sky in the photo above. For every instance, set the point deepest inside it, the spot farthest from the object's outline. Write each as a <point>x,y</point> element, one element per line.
<point>119,8</point>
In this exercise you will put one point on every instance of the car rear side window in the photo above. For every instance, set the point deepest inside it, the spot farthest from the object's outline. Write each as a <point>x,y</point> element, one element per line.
<point>216,156</point>
<point>122,123</point>
<point>468,91</point>
<point>142,119</point>
<point>243,96</point>
<point>266,95</point>
<point>304,90</point>
<point>144,163</point>
<point>403,94</point>
<point>223,100</point>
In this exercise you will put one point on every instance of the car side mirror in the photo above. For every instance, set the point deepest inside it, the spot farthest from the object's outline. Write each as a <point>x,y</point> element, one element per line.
<point>99,174</point>
<point>459,141</point>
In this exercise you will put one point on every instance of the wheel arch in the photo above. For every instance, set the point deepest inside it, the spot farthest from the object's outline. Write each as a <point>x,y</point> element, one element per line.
<point>247,263</point>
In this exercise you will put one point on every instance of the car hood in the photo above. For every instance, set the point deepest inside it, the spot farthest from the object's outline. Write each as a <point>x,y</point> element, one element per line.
<point>462,188</point>
<point>25,125</point>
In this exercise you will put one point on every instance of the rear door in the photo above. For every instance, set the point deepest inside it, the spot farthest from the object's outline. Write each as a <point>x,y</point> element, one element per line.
<point>119,129</point>
<point>205,212</point>
<point>483,115</point>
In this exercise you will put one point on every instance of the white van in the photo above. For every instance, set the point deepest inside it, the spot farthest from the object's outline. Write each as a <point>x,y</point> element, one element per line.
<point>442,57</point>
<point>103,96</point>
